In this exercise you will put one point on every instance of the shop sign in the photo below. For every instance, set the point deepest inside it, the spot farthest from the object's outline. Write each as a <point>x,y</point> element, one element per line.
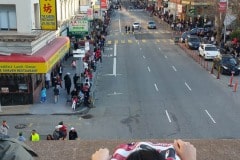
<point>19,67</point>
<point>79,24</point>
<point>48,14</point>
<point>103,4</point>
<point>222,5</point>
<point>90,13</point>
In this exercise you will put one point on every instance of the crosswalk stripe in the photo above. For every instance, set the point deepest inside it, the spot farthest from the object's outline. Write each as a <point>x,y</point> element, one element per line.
<point>137,41</point>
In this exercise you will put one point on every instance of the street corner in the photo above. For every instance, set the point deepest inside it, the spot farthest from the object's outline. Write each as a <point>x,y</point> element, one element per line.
<point>15,110</point>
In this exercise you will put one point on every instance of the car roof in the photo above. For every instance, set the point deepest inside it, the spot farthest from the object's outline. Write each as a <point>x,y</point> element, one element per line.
<point>208,45</point>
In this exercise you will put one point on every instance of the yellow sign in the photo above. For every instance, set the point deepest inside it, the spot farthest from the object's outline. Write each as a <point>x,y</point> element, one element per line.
<point>48,14</point>
<point>17,67</point>
<point>34,67</point>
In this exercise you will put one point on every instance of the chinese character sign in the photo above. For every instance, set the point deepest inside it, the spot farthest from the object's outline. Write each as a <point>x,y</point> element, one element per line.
<point>48,14</point>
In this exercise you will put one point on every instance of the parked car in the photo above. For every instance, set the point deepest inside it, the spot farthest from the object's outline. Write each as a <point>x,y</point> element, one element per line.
<point>192,42</point>
<point>227,64</point>
<point>200,31</point>
<point>136,25</point>
<point>208,51</point>
<point>184,36</point>
<point>151,25</point>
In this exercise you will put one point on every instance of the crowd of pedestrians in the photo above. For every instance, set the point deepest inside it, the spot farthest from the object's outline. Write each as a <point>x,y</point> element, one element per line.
<point>60,132</point>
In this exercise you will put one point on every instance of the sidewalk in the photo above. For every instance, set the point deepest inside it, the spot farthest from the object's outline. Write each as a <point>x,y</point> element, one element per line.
<point>49,107</point>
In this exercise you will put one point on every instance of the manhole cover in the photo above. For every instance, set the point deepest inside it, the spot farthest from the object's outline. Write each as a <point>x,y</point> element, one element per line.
<point>20,126</point>
<point>87,116</point>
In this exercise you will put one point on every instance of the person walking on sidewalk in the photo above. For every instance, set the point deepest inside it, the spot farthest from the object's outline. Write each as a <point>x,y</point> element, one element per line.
<point>132,30</point>
<point>43,94</point>
<point>126,28</point>
<point>68,83</point>
<point>129,29</point>
<point>56,94</point>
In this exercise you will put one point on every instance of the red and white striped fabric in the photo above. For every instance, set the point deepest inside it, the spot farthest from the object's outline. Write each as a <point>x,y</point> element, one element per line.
<point>122,151</point>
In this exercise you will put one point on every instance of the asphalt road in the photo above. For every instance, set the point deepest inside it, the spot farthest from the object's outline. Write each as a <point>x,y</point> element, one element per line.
<point>148,87</point>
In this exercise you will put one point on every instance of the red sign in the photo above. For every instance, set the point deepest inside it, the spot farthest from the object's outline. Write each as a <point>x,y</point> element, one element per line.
<point>104,4</point>
<point>222,6</point>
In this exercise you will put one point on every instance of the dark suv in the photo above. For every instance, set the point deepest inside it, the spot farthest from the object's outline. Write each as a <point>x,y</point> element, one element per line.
<point>227,64</point>
<point>192,42</point>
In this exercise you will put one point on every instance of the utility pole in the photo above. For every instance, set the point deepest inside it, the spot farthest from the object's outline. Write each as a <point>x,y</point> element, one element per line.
<point>225,25</point>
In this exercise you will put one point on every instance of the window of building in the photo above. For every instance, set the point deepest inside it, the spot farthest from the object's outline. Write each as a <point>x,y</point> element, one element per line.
<point>8,20</point>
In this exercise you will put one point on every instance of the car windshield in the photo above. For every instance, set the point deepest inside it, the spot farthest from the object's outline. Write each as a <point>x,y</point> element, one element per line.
<point>210,48</point>
<point>229,61</point>
<point>151,23</point>
<point>194,40</point>
<point>136,24</point>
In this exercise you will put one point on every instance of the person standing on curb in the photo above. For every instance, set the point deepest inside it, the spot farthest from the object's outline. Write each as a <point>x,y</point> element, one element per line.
<point>56,94</point>
<point>72,134</point>
<point>34,136</point>
<point>4,128</point>
<point>21,137</point>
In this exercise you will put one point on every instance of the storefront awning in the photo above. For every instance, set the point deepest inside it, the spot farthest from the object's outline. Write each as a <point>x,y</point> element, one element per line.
<point>40,62</point>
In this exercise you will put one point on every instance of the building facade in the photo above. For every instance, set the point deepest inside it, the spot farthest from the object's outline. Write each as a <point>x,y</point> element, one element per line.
<point>27,53</point>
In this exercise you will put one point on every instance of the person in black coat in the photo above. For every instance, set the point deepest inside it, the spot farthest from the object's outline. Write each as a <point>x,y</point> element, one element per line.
<point>73,134</point>
<point>68,83</point>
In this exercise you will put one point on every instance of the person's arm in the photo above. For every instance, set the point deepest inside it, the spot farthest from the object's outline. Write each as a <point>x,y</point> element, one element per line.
<point>101,154</point>
<point>185,150</point>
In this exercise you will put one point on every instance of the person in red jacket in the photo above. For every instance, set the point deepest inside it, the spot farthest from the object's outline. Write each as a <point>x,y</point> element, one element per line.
<point>63,130</point>
<point>98,55</point>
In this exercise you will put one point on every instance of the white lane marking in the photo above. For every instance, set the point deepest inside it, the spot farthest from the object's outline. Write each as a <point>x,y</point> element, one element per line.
<point>155,85</point>
<point>210,116</point>
<point>149,70</point>
<point>188,86</point>
<point>174,69</point>
<point>159,49</point>
<point>144,57</point>
<point>115,61</point>
<point>114,93</point>
<point>119,25</point>
<point>168,116</point>
<point>165,56</point>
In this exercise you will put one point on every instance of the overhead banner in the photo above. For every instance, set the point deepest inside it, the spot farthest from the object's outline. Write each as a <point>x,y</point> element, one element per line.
<point>48,14</point>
